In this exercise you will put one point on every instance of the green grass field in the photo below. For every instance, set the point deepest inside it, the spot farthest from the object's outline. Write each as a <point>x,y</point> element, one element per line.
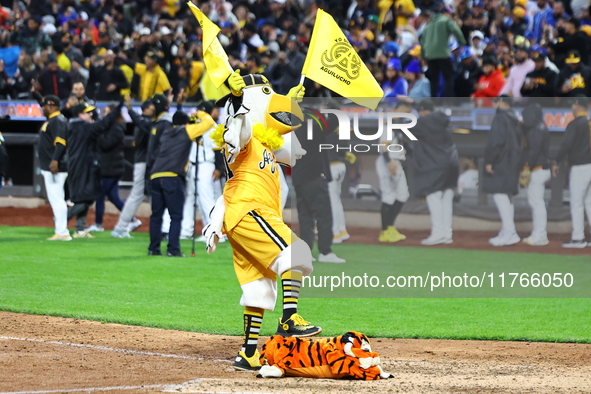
<point>112,280</point>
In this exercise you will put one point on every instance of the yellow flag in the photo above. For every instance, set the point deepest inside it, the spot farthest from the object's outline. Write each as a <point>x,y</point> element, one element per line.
<point>214,56</point>
<point>333,62</point>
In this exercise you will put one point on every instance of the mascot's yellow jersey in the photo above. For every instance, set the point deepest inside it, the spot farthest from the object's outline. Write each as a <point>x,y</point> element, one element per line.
<point>253,183</point>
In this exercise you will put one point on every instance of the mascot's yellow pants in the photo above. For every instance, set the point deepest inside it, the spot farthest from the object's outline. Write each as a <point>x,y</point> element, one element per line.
<point>264,247</point>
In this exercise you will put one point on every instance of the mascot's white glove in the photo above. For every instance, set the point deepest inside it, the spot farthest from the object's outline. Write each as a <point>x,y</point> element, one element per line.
<point>213,231</point>
<point>290,151</point>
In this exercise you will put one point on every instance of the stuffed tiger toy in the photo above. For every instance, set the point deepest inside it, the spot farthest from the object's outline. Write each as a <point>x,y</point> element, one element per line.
<point>346,356</point>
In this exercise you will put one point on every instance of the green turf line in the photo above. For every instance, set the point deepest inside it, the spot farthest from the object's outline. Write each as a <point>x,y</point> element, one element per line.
<point>112,280</point>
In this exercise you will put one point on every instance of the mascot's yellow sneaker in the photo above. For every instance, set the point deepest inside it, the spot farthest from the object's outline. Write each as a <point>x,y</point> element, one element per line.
<point>391,235</point>
<point>296,326</point>
<point>82,234</point>
<point>244,363</point>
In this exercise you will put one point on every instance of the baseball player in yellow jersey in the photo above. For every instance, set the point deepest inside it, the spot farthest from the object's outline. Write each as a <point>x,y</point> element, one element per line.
<point>255,134</point>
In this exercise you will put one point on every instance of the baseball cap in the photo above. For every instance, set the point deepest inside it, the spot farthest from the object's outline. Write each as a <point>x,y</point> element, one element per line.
<point>164,30</point>
<point>391,47</point>
<point>519,12</point>
<point>478,4</point>
<point>145,31</point>
<point>394,63</point>
<point>573,57</point>
<point>225,24</point>
<point>180,118</point>
<point>51,58</point>
<point>415,51</point>
<point>373,18</point>
<point>504,98</point>
<point>83,107</point>
<point>489,60</point>
<point>414,67</point>
<point>538,57</point>
<point>207,106</point>
<point>50,99</point>
<point>579,99</point>
<point>586,29</point>
<point>152,54</point>
<point>160,103</point>
<point>466,53</point>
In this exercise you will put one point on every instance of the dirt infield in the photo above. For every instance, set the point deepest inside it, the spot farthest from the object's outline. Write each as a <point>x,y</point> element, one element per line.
<point>41,354</point>
<point>472,240</point>
<point>50,354</point>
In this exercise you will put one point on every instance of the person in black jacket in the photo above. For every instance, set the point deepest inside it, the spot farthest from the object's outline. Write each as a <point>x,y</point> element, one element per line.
<point>575,78</point>
<point>53,162</point>
<point>436,169</point>
<point>540,82</point>
<point>535,157</point>
<point>162,123</point>
<point>502,159</point>
<point>107,81</point>
<point>291,63</point>
<point>54,80</point>
<point>111,144</point>
<point>167,181</point>
<point>143,125</point>
<point>84,162</point>
<point>468,74</point>
<point>310,179</point>
<point>572,39</point>
<point>576,145</point>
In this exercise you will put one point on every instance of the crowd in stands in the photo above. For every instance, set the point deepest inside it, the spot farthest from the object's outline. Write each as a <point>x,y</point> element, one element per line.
<point>421,48</point>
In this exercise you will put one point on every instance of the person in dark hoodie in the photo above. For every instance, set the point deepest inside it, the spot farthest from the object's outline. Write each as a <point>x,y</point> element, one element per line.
<point>576,145</point>
<point>536,167</point>
<point>84,168</point>
<point>541,81</point>
<point>502,159</point>
<point>575,78</point>
<point>436,169</point>
<point>30,37</point>
<point>110,145</point>
<point>162,123</point>
<point>141,134</point>
<point>468,74</point>
<point>167,180</point>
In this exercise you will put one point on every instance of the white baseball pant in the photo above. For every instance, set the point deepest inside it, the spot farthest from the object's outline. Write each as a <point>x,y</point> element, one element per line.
<point>440,205</point>
<point>135,198</point>
<point>54,186</point>
<point>580,199</point>
<point>507,213</point>
<point>393,188</point>
<point>535,198</point>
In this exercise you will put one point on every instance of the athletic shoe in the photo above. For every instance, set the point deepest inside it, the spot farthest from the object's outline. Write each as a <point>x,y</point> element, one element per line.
<point>82,234</point>
<point>391,234</point>
<point>164,237</point>
<point>133,225</point>
<point>344,235</point>
<point>330,258</point>
<point>337,239</point>
<point>202,238</point>
<point>178,254</point>
<point>505,240</point>
<point>313,259</point>
<point>436,241</point>
<point>95,228</point>
<point>152,253</point>
<point>56,237</point>
<point>536,241</point>
<point>222,239</point>
<point>186,236</point>
<point>243,363</point>
<point>575,244</point>
<point>296,326</point>
<point>120,234</point>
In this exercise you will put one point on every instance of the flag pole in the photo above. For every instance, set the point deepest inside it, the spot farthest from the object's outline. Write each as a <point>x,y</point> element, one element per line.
<point>302,78</point>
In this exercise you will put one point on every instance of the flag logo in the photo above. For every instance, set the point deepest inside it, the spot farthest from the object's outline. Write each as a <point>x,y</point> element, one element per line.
<point>343,57</point>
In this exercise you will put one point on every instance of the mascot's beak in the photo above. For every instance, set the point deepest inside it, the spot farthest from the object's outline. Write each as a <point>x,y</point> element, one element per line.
<point>283,114</point>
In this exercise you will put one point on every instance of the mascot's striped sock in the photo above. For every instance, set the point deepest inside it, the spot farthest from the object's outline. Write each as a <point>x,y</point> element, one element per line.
<point>291,282</point>
<point>253,317</point>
